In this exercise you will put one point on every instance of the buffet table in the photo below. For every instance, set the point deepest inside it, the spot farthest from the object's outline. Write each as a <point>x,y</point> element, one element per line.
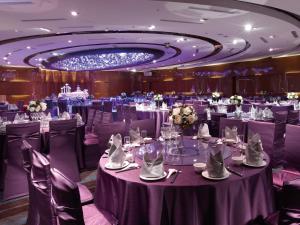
<point>190,200</point>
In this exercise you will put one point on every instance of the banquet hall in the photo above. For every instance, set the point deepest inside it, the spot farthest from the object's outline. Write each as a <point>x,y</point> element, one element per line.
<point>149,112</point>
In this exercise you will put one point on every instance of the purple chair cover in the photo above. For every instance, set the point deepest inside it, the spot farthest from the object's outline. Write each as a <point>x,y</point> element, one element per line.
<point>62,147</point>
<point>148,125</point>
<point>107,117</point>
<point>266,131</point>
<point>199,108</point>
<point>293,117</point>
<point>120,113</point>
<point>214,124</point>
<point>15,178</point>
<point>239,124</point>
<point>9,115</point>
<point>129,112</point>
<point>96,120</point>
<point>67,207</point>
<point>90,118</point>
<point>40,178</point>
<point>96,105</point>
<point>246,107</point>
<point>62,105</point>
<point>32,215</point>
<point>281,108</point>
<point>292,150</point>
<point>107,106</point>
<point>106,130</point>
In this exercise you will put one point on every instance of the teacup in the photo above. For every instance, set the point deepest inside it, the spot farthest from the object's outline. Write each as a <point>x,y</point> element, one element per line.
<point>199,167</point>
<point>238,160</point>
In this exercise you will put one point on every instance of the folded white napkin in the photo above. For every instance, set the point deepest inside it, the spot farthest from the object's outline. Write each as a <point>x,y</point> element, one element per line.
<point>215,164</point>
<point>66,116</point>
<point>164,106</point>
<point>152,168</point>
<point>208,113</point>
<point>267,113</point>
<point>116,155</point>
<point>253,112</point>
<point>49,117</point>
<point>203,131</point>
<point>17,117</point>
<point>78,119</point>
<point>254,150</point>
<point>231,134</point>
<point>135,136</point>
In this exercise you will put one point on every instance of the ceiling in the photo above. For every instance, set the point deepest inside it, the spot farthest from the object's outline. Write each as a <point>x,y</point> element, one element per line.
<point>190,33</point>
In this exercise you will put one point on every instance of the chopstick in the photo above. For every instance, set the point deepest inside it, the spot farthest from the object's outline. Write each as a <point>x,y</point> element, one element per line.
<point>234,172</point>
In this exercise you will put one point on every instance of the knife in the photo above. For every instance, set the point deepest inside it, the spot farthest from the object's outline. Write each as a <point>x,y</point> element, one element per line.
<point>175,176</point>
<point>235,172</point>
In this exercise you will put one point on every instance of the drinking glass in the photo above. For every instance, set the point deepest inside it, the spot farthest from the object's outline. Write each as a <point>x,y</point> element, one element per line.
<point>127,140</point>
<point>144,133</point>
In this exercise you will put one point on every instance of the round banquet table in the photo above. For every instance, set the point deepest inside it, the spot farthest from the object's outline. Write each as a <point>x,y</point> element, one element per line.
<point>160,116</point>
<point>190,200</point>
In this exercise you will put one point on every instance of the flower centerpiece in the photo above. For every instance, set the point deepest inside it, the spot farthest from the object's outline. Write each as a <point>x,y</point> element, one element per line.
<point>215,96</point>
<point>123,95</point>
<point>292,96</point>
<point>158,99</point>
<point>36,106</point>
<point>236,100</point>
<point>183,116</point>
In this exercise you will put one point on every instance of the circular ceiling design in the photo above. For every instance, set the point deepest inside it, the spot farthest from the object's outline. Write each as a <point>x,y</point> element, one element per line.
<point>187,33</point>
<point>102,59</point>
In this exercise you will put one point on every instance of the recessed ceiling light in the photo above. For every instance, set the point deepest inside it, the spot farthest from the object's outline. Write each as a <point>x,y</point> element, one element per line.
<point>74,13</point>
<point>248,27</point>
<point>235,41</point>
<point>154,61</point>
<point>133,70</point>
<point>9,53</point>
<point>202,20</point>
<point>69,41</point>
<point>271,49</point>
<point>151,27</point>
<point>271,36</point>
<point>194,55</point>
<point>4,58</point>
<point>45,29</point>
<point>8,62</point>
<point>40,59</point>
<point>28,47</point>
<point>54,54</point>
<point>180,40</point>
<point>194,46</point>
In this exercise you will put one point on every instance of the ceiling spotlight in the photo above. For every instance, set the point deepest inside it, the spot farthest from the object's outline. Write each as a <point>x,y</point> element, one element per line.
<point>54,54</point>
<point>180,40</point>
<point>152,27</point>
<point>74,13</point>
<point>202,20</point>
<point>194,55</point>
<point>45,29</point>
<point>235,41</point>
<point>28,47</point>
<point>154,61</point>
<point>69,41</point>
<point>271,36</point>
<point>40,59</point>
<point>271,49</point>
<point>8,63</point>
<point>194,46</point>
<point>9,53</point>
<point>248,27</point>
<point>133,70</point>
<point>4,58</point>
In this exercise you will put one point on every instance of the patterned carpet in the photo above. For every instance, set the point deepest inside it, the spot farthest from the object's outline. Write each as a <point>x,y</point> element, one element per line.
<point>14,212</point>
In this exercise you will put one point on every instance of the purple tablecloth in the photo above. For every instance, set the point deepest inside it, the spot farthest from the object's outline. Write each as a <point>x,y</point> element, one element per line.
<point>191,200</point>
<point>160,117</point>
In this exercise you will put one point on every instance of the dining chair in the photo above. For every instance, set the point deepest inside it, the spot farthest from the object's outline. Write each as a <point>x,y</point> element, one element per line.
<point>120,113</point>
<point>10,116</point>
<point>246,107</point>
<point>239,124</point>
<point>62,152</point>
<point>107,117</point>
<point>293,117</point>
<point>41,182</point>
<point>96,120</point>
<point>266,130</point>
<point>15,178</point>
<point>214,123</point>
<point>65,202</point>
<point>32,212</point>
<point>90,119</point>
<point>107,106</point>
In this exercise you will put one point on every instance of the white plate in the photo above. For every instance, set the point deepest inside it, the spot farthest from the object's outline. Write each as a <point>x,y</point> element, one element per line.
<point>229,141</point>
<point>153,178</point>
<point>109,166</point>
<point>205,174</point>
<point>252,165</point>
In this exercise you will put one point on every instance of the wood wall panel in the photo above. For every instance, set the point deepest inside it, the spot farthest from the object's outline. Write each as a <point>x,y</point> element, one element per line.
<point>26,83</point>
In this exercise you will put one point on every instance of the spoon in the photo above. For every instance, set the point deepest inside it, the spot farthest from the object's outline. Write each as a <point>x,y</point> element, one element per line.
<point>170,172</point>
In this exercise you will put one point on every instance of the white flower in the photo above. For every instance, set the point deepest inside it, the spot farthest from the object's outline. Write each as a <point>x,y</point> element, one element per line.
<point>187,110</point>
<point>43,106</point>
<point>175,111</point>
<point>32,102</point>
<point>31,109</point>
<point>177,119</point>
<point>38,108</point>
